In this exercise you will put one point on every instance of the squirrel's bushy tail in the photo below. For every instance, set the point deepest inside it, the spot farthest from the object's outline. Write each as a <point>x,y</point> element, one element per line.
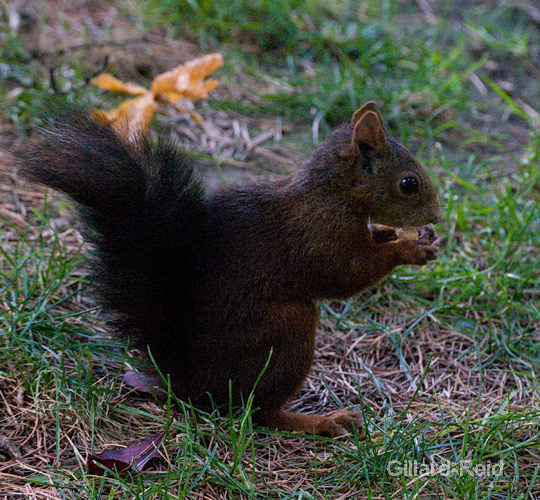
<point>143,211</point>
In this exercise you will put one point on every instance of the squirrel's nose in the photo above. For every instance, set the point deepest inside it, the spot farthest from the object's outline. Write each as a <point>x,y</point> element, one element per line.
<point>437,218</point>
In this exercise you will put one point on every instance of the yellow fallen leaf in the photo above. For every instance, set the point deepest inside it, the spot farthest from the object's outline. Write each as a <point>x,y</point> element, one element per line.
<point>185,79</point>
<point>175,81</point>
<point>197,91</point>
<point>202,66</point>
<point>132,117</point>
<point>109,82</point>
<point>202,89</point>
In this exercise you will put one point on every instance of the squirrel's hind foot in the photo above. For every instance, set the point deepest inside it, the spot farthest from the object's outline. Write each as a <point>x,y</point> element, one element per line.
<point>333,424</point>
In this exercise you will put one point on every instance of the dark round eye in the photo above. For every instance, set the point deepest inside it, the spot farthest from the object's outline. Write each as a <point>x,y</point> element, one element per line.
<point>409,185</point>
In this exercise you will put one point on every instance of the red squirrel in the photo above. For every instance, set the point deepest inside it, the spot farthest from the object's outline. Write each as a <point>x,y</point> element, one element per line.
<point>218,284</point>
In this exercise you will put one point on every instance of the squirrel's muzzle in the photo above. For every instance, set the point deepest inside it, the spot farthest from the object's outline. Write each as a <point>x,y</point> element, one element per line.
<point>437,217</point>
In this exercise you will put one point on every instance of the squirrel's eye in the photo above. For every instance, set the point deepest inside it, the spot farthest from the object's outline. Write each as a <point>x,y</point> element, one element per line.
<point>409,185</point>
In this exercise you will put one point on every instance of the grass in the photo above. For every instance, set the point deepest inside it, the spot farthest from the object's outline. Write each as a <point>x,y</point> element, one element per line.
<point>444,360</point>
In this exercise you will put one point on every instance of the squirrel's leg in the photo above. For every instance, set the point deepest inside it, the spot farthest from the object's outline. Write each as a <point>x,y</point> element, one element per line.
<point>333,424</point>
<point>376,260</point>
<point>293,334</point>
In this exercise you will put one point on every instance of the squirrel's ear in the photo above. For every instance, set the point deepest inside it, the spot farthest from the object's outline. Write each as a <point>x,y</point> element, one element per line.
<point>370,130</point>
<point>359,113</point>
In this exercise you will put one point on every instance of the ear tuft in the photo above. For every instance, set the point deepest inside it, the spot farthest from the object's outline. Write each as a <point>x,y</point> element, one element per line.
<point>359,113</point>
<point>369,130</point>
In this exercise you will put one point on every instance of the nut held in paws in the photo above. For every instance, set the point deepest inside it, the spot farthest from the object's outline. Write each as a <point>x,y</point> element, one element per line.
<point>407,233</point>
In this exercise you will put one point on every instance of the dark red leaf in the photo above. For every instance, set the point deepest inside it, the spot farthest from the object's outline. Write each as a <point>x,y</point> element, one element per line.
<point>134,458</point>
<point>97,465</point>
<point>481,264</point>
<point>141,382</point>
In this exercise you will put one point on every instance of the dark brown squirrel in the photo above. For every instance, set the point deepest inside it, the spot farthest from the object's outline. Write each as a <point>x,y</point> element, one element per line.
<point>216,285</point>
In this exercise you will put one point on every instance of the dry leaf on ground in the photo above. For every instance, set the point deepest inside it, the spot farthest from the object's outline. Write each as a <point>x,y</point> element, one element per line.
<point>133,116</point>
<point>109,82</point>
<point>134,458</point>
<point>144,383</point>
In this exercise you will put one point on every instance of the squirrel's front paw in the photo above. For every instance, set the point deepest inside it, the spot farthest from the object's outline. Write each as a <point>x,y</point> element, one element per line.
<point>427,236</point>
<point>382,234</point>
<point>419,252</point>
